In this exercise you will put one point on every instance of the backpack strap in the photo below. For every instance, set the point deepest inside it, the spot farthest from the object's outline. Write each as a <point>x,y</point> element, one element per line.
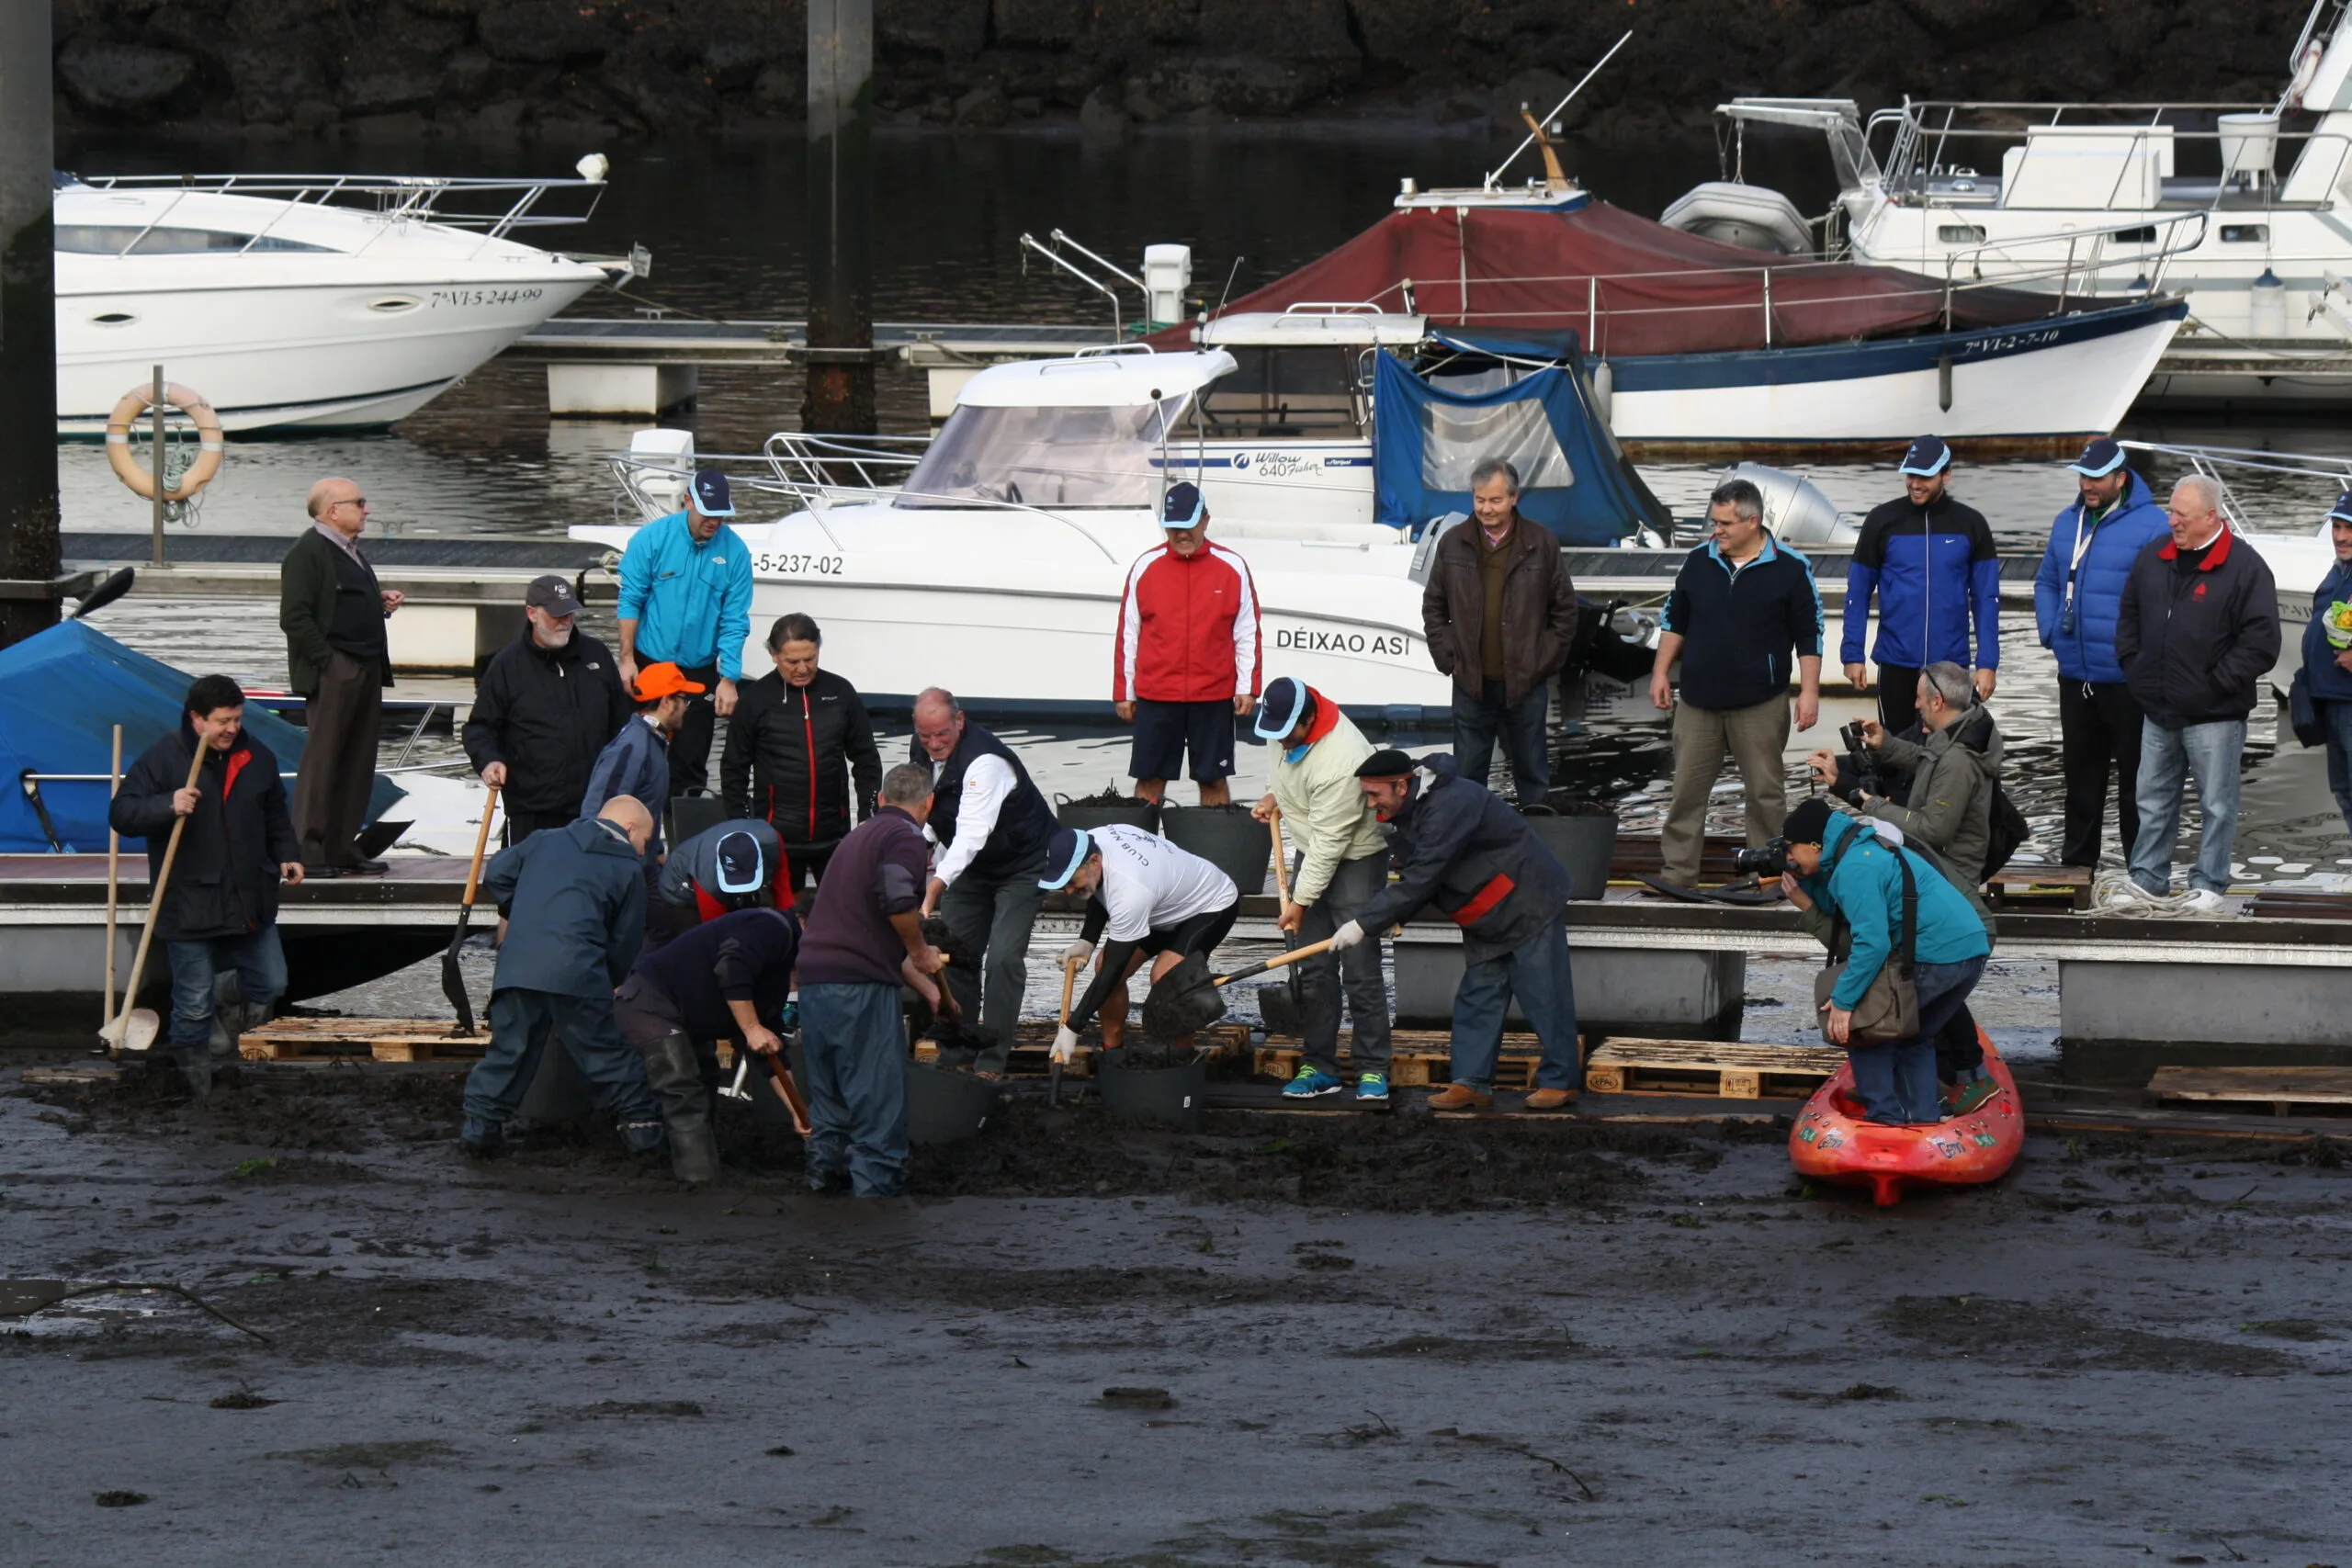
<point>1842,934</point>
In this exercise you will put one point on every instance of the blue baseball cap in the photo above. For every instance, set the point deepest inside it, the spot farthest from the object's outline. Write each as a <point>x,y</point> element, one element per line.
<point>712,496</point>
<point>1280,708</point>
<point>739,870</point>
<point>1926,457</point>
<point>2342,510</point>
<point>1067,849</point>
<point>1182,507</point>
<point>2100,458</point>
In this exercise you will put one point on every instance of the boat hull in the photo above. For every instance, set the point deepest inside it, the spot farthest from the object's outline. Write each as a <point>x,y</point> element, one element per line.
<point>1832,1143</point>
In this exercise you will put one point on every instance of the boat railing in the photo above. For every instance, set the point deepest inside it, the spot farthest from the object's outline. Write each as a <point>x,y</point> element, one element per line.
<point>496,207</point>
<point>2149,254</point>
<point>1924,135</point>
<point>2219,463</point>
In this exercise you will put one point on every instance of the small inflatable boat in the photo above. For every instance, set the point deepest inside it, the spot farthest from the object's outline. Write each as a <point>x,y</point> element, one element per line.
<point>1832,1142</point>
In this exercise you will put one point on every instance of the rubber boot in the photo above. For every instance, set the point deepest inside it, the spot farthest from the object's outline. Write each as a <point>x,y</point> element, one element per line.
<point>196,1070</point>
<point>675,1078</point>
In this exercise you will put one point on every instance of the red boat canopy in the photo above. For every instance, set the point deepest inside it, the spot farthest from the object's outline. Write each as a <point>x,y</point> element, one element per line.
<point>1627,285</point>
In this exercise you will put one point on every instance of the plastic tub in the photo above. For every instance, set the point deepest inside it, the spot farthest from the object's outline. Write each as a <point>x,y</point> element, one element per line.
<point>1091,814</point>
<point>1583,843</point>
<point>946,1107</point>
<point>1227,837</point>
<point>1172,1097</point>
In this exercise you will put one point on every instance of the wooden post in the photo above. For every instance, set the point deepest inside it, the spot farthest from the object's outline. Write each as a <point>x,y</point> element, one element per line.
<point>840,396</point>
<point>29,548</point>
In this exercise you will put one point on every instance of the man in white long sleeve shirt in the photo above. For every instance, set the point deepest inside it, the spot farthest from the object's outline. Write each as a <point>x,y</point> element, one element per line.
<point>991,825</point>
<point>1146,899</point>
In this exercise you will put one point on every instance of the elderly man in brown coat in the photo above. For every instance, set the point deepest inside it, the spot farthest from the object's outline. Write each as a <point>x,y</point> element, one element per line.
<point>1500,614</point>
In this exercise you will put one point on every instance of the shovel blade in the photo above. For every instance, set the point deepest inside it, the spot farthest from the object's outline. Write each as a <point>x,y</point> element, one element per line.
<point>453,977</point>
<point>1183,1001</point>
<point>134,1029</point>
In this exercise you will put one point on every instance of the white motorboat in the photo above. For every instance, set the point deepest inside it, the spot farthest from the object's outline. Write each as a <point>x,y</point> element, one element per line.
<point>311,302</point>
<point>2102,203</point>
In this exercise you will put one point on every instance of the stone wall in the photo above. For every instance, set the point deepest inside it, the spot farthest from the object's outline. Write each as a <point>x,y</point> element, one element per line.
<point>590,69</point>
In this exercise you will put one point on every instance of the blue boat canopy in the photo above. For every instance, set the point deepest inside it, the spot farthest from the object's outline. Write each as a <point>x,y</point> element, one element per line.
<point>1521,396</point>
<point>61,692</point>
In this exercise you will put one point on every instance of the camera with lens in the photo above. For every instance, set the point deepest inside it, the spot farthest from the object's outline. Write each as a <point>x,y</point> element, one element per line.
<point>1858,773</point>
<point>1770,861</point>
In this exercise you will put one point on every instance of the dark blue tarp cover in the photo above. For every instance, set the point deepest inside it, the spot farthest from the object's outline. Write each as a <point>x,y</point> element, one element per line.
<point>1575,480</point>
<point>61,692</point>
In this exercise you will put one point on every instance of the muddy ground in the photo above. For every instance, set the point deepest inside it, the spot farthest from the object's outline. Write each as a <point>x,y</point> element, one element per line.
<point>1360,1341</point>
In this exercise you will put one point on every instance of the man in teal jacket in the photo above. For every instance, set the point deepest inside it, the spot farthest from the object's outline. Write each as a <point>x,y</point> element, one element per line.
<point>687,600</point>
<point>1853,871</point>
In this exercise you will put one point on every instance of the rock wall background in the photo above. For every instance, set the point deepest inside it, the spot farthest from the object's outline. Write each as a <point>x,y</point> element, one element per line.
<point>581,70</point>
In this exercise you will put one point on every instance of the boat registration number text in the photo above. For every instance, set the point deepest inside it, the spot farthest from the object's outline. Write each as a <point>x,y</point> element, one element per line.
<point>775,563</point>
<point>1301,640</point>
<point>459,298</point>
<point>2011,342</point>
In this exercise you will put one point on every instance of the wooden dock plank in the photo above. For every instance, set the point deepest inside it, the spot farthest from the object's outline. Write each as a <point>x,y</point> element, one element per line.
<point>2280,1088</point>
<point>377,1039</point>
<point>1719,1070</point>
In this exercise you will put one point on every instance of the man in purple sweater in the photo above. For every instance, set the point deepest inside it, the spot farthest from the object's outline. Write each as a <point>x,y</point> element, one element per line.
<point>864,940</point>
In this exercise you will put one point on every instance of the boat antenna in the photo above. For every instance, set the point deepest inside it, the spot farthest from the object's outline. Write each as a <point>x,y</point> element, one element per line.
<point>1230,274</point>
<point>1556,109</point>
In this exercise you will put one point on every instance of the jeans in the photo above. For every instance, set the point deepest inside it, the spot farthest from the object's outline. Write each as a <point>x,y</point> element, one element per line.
<point>2100,724</point>
<point>520,1021</point>
<point>2213,754</point>
<point>260,965</point>
<point>996,916</point>
<point>1478,721</point>
<point>1536,973</point>
<point>1322,977</point>
<point>2338,718</point>
<point>853,1038</point>
<point>1896,1082</point>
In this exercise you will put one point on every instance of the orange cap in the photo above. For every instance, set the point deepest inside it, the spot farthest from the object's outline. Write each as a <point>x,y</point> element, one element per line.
<point>658,681</point>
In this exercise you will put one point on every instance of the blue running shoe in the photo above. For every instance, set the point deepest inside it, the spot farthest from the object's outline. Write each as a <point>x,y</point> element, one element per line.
<point>1372,1089</point>
<point>1310,1082</point>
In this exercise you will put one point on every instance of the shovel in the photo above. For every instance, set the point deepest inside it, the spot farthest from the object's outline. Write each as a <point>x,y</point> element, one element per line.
<point>1054,1078</point>
<point>453,983</point>
<point>134,1029</point>
<point>1188,997</point>
<point>789,1092</point>
<point>1283,1010</point>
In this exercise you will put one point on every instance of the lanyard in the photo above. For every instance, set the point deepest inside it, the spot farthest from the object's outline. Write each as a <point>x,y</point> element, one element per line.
<point>2083,542</point>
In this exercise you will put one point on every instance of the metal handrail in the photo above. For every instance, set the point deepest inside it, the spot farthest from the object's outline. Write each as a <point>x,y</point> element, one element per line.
<point>395,197</point>
<point>2210,461</point>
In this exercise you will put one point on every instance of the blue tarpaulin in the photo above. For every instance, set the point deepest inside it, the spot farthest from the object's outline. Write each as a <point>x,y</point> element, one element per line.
<point>61,692</point>
<point>1534,410</point>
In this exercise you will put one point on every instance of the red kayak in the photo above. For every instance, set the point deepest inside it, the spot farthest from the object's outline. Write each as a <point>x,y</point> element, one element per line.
<point>1832,1142</point>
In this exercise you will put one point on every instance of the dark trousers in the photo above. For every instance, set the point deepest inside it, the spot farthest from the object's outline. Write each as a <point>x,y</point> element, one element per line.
<point>2338,718</point>
<point>996,914</point>
<point>520,1020</point>
<point>521,824</point>
<point>853,1038</point>
<point>1898,697</point>
<point>807,870</point>
<point>2098,729</point>
<point>690,748</point>
<point>1479,720</point>
<point>1357,971</point>
<point>338,765</point>
<point>1896,1082</point>
<point>1535,973</point>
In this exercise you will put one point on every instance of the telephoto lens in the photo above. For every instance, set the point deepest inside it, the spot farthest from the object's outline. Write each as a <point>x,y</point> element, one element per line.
<point>1772,860</point>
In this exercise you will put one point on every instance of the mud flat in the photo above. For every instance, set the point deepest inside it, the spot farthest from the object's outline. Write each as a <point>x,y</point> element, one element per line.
<point>1333,1341</point>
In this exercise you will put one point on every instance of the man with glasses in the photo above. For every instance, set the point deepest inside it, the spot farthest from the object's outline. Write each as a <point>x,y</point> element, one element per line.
<point>332,611</point>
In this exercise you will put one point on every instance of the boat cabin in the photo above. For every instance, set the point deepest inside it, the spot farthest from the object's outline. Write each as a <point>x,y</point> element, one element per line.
<point>1305,373</point>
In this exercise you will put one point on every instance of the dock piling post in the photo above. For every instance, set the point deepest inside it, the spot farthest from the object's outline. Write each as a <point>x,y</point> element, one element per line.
<point>840,396</point>
<point>29,545</point>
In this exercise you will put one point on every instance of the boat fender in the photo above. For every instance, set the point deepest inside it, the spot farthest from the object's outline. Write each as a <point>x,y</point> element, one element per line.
<point>132,406</point>
<point>1604,388</point>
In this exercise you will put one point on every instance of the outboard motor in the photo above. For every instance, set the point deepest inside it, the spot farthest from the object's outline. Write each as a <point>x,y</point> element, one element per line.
<point>1795,509</point>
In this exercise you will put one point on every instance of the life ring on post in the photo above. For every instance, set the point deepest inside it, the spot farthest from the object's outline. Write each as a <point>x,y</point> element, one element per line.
<point>132,406</point>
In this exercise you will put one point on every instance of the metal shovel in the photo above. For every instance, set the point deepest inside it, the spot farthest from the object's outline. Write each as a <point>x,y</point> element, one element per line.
<point>134,1029</point>
<point>1188,997</point>
<point>453,980</point>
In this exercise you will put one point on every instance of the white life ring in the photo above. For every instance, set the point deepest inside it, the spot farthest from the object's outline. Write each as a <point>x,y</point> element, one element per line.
<point>2306,68</point>
<point>130,408</point>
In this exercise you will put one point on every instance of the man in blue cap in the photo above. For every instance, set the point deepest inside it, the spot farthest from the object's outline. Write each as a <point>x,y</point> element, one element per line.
<point>2077,594</point>
<point>2327,656</point>
<point>1931,563</point>
<point>1145,899</point>
<point>737,864</point>
<point>687,600</point>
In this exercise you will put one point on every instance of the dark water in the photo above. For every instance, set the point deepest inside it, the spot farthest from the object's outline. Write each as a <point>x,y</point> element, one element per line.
<point>724,219</point>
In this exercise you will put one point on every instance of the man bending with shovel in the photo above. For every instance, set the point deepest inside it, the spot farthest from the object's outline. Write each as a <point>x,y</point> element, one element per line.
<point>1152,900</point>
<point>1466,852</point>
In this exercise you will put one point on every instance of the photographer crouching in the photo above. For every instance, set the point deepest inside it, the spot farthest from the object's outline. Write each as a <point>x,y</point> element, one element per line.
<point>1914,950</point>
<point>1939,785</point>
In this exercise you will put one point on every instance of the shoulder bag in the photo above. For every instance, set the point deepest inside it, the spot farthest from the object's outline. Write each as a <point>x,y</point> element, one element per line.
<point>1889,1011</point>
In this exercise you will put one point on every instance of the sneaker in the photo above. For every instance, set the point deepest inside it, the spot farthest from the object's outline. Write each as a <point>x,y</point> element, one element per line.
<point>1971,1097</point>
<point>1372,1089</point>
<point>1312,1081</point>
<point>1462,1097</point>
<point>2119,892</point>
<point>2203,901</point>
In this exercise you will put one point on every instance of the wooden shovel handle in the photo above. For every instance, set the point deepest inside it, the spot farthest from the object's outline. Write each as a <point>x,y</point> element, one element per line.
<point>1282,861</point>
<point>1293,956</point>
<point>1069,984</point>
<point>790,1091</point>
<point>481,842</point>
<point>163,881</point>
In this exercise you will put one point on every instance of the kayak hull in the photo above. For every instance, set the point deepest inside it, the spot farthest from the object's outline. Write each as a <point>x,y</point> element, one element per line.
<point>1832,1143</point>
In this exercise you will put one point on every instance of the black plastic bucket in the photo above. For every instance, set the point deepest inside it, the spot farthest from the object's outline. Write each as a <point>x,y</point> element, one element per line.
<point>1091,814</point>
<point>1226,836</point>
<point>1173,1096</point>
<point>1584,844</point>
<point>946,1107</point>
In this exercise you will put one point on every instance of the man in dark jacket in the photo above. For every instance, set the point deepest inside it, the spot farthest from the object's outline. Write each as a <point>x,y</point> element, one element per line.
<point>863,942</point>
<point>727,979</point>
<point>1933,566</point>
<point>2327,656</point>
<point>332,611</point>
<point>1500,615</point>
<point>578,895</point>
<point>1744,616</point>
<point>797,743</point>
<point>219,911</point>
<point>636,760</point>
<point>543,709</point>
<point>2198,631</point>
<point>726,866</point>
<point>992,825</point>
<point>1465,851</point>
<point>2077,594</point>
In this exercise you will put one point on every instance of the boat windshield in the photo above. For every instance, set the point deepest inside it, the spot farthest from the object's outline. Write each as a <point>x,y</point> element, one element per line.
<point>109,240</point>
<point>1044,457</point>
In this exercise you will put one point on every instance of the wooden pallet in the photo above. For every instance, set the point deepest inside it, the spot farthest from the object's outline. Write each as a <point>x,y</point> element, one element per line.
<point>2023,887</point>
<point>374,1039</point>
<point>2318,1090</point>
<point>1032,1054</point>
<point>1409,1068</point>
<point>1712,1069</point>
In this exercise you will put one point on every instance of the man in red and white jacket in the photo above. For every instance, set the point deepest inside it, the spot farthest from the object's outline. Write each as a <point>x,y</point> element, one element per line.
<point>1185,664</point>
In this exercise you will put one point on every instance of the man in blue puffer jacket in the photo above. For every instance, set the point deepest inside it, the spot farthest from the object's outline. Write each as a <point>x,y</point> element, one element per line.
<point>2329,667</point>
<point>2077,594</point>
<point>1933,565</point>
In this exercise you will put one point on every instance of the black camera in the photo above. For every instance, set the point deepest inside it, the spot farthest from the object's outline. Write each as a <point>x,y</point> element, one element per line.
<point>1860,772</point>
<point>1772,860</point>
